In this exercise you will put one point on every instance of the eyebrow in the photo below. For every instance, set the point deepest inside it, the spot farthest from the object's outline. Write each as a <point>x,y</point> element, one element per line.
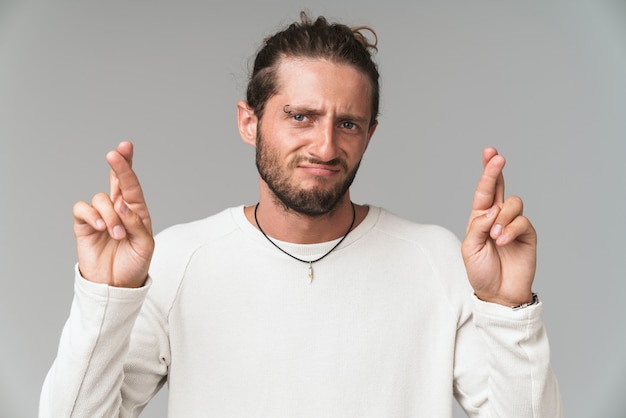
<point>289,109</point>
<point>295,109</point>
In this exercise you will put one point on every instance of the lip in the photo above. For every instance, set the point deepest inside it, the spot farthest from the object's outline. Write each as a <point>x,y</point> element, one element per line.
<point>320,170</point>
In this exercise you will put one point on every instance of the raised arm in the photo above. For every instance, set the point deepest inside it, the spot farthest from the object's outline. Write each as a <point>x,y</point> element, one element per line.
<point>114,233</point>
<point>115,246</point>
<point>507,372</point>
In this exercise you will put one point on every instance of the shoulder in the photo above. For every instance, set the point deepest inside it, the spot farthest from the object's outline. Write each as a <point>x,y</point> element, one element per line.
<point>188,236</point>
<point>434,245</point>
<point>175,246</point>
<point>428,236</point>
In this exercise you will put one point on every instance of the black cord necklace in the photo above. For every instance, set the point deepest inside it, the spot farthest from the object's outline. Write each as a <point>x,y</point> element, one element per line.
<point>310,263</point>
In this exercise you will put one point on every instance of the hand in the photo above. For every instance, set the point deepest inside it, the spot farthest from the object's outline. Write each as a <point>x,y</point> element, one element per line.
<point>114,234</point>
<point>500,248</point>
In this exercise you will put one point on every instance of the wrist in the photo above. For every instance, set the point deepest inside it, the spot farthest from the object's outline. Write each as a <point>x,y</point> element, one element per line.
<point>534,301</point>
<point>515,304</point>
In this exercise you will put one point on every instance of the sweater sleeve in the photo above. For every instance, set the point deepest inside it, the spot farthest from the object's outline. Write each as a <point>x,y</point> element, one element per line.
<point>93,373</point>
<point>506,371</point>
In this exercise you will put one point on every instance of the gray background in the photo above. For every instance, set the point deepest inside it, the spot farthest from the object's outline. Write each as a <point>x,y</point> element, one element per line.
<point>542,80</point>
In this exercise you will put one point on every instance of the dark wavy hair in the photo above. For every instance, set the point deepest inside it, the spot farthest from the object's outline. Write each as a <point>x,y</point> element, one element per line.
<point>335,42</point>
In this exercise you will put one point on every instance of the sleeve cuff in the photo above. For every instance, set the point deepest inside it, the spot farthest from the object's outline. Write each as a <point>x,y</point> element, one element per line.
<point>101,290</point>
<point>495,310</point>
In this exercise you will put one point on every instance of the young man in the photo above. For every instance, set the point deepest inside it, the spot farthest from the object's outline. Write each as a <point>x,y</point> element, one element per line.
<point>305,304</point>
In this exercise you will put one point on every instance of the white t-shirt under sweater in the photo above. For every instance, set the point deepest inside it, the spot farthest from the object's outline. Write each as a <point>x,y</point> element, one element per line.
<point>388,328</point>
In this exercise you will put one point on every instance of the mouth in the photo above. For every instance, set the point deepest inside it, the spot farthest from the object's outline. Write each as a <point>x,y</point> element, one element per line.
<point>320,170</point>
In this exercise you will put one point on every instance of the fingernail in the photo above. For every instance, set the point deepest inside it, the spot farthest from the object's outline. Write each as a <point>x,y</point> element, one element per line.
<point>491,212</point>
<point>100,224</point>
<point>496,230</point>
<point>118,232</point>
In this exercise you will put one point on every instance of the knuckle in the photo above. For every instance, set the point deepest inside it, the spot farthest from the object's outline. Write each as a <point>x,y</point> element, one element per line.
<point>516,201</point>
<point>78,207</point>
<point>99,198</point>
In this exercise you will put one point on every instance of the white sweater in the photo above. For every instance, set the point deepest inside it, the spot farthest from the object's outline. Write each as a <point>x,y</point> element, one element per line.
<point>387,328</point>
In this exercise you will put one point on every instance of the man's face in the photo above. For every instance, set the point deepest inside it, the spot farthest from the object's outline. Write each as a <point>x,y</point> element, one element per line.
<point>313,134</point>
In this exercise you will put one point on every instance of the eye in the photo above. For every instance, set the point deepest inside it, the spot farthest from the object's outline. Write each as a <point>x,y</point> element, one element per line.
<point>298,117</point>
<point>348,125</point>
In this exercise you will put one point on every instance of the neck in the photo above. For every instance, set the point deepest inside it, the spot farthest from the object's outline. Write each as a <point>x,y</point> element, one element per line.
<point>290,226</point>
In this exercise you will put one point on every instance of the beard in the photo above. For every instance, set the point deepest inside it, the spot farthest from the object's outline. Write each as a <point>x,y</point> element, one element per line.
<point>312,202</point>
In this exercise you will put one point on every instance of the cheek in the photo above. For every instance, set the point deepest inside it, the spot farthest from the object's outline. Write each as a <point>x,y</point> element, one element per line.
<point>356,151</point>
<point>281,141</point>
<point>274,156</point>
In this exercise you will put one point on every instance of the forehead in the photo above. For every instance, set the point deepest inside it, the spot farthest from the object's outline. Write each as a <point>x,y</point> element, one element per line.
<point>322,83</point>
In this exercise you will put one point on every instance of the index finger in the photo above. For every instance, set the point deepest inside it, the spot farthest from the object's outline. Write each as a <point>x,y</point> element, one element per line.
<point>490,188</point>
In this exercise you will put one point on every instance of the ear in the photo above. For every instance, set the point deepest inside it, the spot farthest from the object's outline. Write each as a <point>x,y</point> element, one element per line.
<point>247,123</point>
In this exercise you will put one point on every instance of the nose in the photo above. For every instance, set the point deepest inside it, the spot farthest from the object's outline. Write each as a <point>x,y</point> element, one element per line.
<point>323,145</point>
